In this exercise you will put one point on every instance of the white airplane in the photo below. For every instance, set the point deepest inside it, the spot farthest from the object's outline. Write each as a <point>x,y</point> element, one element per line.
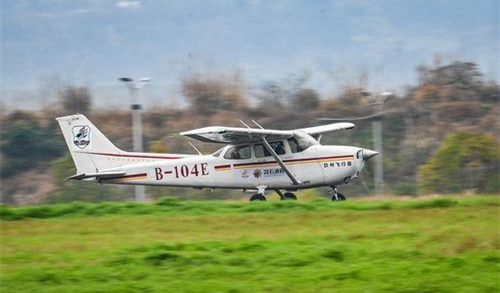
<point>254,159</point>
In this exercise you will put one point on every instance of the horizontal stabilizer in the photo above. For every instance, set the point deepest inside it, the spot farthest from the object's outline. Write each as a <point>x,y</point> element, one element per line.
<point>101,175</point>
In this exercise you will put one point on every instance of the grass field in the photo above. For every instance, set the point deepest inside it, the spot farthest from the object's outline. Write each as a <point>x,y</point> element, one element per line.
<point>429,245</point>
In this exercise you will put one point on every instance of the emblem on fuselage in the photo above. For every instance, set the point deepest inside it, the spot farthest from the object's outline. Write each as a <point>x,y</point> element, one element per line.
<point>81,136</point>
<point>244,174</point>
<point>257,173</point>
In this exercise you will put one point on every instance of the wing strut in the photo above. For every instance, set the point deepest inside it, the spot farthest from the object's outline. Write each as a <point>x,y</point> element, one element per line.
<point>280,162</point>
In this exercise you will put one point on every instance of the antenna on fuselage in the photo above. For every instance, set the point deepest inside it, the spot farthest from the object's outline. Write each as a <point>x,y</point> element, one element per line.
<point>245,124</point>
<point>258,125</point>
<point>196,149</point>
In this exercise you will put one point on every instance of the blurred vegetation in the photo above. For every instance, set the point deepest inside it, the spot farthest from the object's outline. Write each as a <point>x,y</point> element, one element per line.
<point>447,99</point>
<point>435,245</point>
<point>464,160</point>
<point>26,144</point>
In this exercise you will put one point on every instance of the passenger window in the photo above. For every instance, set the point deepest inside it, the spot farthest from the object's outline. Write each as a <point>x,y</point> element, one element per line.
<point>238,153</point>
<point>294,146</point>
<point>261,151</point>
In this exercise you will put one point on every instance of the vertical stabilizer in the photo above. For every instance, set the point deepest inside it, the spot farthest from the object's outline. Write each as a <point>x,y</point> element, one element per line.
<point>89,148</point>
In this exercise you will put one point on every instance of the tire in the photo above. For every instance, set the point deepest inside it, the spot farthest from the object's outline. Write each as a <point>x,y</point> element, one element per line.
<point>289,196</point>
<point>258,197</point>
<point>340,196</point>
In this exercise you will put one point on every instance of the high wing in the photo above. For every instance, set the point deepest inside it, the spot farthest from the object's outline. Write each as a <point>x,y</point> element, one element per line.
<point>327,128</point>
<point>235,135</point>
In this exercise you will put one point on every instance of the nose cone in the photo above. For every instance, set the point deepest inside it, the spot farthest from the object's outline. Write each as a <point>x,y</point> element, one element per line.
<point>367,154</point>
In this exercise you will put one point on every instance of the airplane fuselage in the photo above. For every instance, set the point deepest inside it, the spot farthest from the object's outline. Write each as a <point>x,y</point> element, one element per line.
<point>253,159</point>
<point>318,165</point>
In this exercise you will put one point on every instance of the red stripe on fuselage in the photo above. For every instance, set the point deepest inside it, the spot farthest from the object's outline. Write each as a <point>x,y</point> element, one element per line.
<point>293,160</point>
<point>127,176</point>
<point>223,166</point>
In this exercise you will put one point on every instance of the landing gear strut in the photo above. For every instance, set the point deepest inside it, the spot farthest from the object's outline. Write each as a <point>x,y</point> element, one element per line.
<point>286,196</point>
<point>336,196</point>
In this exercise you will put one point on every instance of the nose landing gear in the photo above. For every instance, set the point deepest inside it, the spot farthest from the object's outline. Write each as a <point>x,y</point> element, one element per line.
<point>336,196</point>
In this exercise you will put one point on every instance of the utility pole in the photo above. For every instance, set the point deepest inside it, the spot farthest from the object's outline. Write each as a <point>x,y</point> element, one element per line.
<point>377,102</point>
<point>135,107</point>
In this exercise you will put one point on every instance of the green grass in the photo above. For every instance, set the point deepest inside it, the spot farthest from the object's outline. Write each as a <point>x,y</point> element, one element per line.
<point>432,245</point>
<point>169,206</point>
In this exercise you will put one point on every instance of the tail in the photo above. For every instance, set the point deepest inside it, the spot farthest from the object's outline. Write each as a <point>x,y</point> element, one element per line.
<point>89,148</point>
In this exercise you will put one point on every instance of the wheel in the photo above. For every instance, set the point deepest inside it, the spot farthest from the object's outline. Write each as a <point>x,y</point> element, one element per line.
<point>289,196</point>
<point>258,197</point>
<point>339,197</point>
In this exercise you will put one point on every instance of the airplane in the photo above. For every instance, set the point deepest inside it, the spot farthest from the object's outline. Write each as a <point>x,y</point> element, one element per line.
<point>253,159</point>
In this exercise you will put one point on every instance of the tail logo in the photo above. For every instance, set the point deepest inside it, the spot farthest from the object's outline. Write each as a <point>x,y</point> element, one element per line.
<point>81,136</point>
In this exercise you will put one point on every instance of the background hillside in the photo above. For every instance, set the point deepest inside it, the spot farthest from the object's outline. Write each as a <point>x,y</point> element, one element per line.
<point>439,136</point>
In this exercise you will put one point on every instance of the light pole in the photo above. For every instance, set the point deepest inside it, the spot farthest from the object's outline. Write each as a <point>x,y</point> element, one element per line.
<point>377,102</point>
<point>135,107</point>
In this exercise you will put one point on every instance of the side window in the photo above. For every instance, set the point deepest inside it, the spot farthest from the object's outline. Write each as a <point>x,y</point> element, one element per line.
<point>238,153</point>
<point>261,151</point>
<point>294,146</point>
<point>278,147</point>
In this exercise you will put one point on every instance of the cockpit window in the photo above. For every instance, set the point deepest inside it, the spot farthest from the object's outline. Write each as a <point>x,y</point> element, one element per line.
<point>261,151</point>
<point>217,153</point>
<point>238,153</point>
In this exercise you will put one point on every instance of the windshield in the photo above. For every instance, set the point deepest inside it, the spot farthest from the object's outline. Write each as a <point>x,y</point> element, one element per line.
<point>304,140</point>
<point>217,153</point>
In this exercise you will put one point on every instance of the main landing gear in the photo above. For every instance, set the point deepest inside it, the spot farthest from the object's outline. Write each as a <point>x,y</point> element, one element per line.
<point>336,196</point>
<point>286,195</point>
<point>258,197</point>
<point>283,196</point>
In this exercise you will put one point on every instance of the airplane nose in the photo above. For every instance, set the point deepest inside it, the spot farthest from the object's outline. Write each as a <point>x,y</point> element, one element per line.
<point>367,154</point>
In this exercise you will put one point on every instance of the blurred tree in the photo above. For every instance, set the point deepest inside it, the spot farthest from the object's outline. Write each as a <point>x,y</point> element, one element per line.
<point>464,160</point>
<point>207,96</point>
<point>457,81</point>
<point>26,144</point>
<point>352,97</point>
<point>305,100</point>
<point>75,99</point>
<point>449,98</point>
<point>282,95</point>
